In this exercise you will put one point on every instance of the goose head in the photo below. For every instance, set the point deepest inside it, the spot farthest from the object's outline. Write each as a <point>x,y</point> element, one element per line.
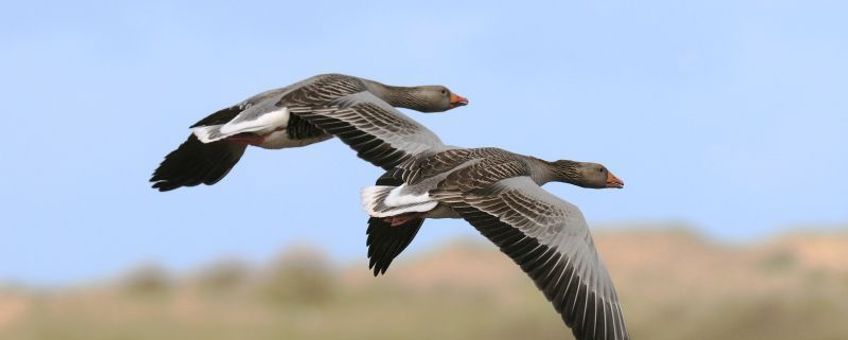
<point>428,98</point>
<point>586,174</point>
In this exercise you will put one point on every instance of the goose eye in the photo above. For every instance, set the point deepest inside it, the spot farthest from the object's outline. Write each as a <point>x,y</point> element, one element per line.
<point>444,91</point>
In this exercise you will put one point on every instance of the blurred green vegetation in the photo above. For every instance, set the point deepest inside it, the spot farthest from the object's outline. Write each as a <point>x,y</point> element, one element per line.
<point>672,285</point>
<point>299,276</point>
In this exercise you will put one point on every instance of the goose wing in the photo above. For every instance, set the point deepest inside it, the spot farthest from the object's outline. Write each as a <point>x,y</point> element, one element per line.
<point>549,238</point>
<point>378,132</point>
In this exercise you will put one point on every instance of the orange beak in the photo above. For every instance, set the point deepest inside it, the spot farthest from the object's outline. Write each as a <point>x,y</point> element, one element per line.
<point>614,182</point>
<point>457,100</point>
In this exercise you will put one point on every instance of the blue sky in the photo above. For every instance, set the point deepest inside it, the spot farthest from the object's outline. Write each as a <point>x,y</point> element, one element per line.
<point>729,115</point>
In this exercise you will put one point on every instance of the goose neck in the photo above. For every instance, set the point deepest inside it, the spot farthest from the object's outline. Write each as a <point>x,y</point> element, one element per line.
<point>558,171</point>
<point>397,96</point>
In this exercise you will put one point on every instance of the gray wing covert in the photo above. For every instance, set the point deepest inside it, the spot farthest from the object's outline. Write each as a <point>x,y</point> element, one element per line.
<point>378,132</point>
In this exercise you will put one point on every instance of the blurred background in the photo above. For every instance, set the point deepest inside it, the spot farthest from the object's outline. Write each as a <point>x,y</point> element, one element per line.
<point>725,119</point>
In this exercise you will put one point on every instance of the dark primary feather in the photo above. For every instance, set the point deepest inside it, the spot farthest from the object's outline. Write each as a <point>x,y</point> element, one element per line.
<point>194,162</point>
<point>386,242</point>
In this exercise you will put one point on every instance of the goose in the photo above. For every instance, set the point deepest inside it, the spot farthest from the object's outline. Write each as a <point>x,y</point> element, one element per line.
<point>496,191</point>
<point>264,120</point>
<point>389,236</point>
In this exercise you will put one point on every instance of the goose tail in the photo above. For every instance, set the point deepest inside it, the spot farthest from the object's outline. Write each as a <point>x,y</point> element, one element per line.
<point>373,198</point>
<point>208,134</point>
<point>386,201</point>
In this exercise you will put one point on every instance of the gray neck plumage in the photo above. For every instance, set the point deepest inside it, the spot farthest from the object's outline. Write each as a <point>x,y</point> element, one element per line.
<point>397,96</point>
<point>558,171</point>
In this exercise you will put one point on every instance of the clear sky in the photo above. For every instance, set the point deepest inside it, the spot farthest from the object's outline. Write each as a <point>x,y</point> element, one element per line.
<point>729,115</point>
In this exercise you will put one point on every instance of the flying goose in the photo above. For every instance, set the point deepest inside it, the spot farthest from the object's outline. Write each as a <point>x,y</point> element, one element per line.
<point>218,141</point>
<point>496,191</point>
<point>389,236</point>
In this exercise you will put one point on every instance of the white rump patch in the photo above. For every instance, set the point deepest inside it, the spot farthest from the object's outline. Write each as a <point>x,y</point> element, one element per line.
<point>385,201</point>
<point>397,197</point>
<point>262,124</point>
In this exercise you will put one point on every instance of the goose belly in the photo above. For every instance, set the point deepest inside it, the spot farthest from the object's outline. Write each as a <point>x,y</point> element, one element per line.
<point>279,139</point>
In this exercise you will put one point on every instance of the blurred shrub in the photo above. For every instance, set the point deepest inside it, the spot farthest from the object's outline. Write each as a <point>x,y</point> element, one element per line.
<point>147,279</point>
<point>223,276</point>
<point>300,275</point>
<point>779,261</point>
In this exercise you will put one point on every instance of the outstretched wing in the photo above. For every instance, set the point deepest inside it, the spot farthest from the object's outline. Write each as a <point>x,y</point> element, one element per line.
<point>385,242</point>
<point>549,239</point>
<point>378,132</point>
<point>195,162</point>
